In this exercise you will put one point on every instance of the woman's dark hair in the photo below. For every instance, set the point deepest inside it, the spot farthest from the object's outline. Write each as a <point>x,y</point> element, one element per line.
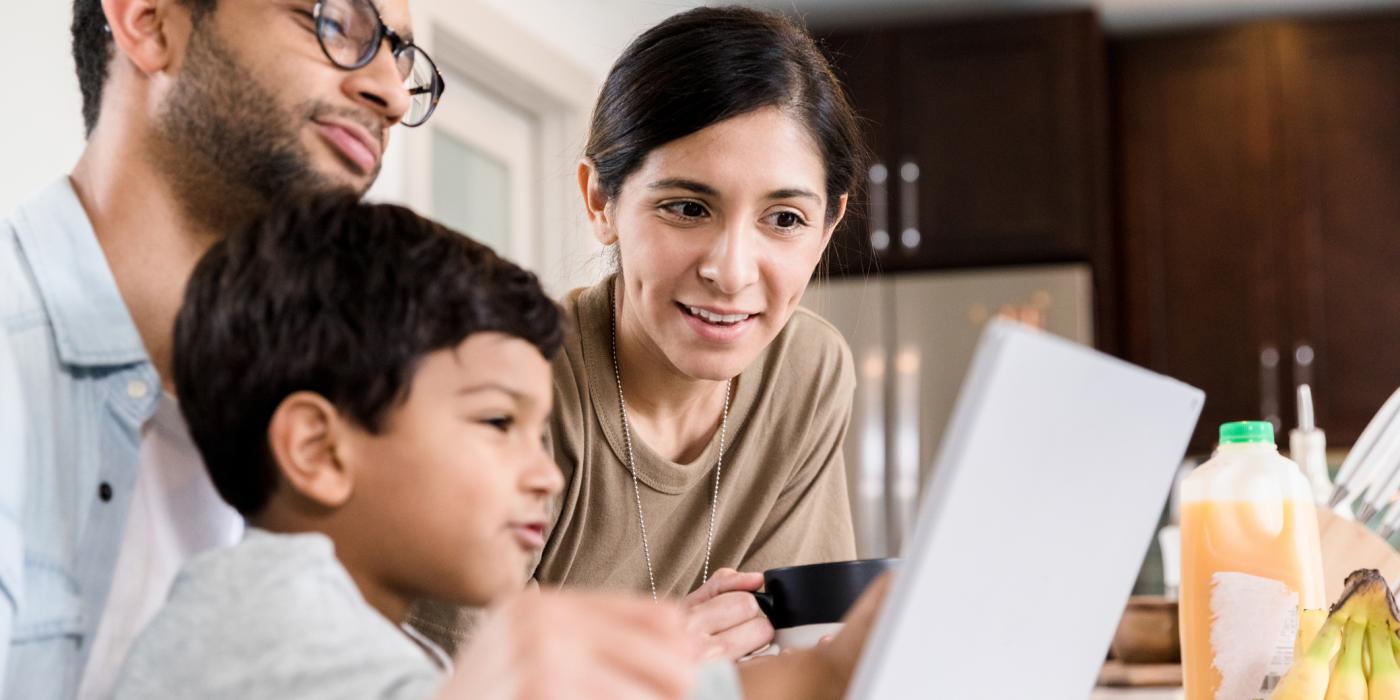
<point>703,66</point>
<point>339,298</point>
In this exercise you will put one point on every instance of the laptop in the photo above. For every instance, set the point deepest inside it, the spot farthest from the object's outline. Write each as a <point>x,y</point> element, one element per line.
<point>1044,497</point>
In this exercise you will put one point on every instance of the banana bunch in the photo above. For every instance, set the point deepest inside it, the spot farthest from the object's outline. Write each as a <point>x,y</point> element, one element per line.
<point>1352,654</point>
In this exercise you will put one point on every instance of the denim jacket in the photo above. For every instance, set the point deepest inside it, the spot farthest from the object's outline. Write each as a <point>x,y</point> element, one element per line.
<point>87,386</point>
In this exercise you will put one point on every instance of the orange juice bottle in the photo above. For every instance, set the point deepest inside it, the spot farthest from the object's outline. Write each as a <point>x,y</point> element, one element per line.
<point>1250,561</point>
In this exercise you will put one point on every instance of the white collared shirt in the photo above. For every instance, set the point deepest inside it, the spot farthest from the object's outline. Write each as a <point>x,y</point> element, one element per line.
<point>175,514</point>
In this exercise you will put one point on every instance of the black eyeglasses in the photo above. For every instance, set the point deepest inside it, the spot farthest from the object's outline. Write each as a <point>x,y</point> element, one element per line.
<point>350,33</point>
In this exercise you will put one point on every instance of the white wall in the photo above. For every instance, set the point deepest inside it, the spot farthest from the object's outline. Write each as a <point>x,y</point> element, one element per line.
<point>590,32</point>
<point>41,124</point>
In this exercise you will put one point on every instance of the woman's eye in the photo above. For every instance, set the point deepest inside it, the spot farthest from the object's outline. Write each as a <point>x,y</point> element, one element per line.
<point>686,210</point>
<point>787,220</point>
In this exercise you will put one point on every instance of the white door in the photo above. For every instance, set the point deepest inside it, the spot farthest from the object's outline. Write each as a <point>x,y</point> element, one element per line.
<point>483,166</point>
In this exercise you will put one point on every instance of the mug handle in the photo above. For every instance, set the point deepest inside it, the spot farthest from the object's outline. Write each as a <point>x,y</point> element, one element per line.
<point>765,602</point>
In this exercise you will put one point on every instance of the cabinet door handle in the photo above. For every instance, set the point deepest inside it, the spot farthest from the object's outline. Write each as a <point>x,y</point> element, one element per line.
<point>909,236</point>
<point>879,208</point>
<point>1268,386</point>
<point>1303,358</point>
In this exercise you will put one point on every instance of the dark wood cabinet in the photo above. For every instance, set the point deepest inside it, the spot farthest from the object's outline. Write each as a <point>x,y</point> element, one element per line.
<point>989,143</point>
<point>865,62</point>
<point>1200,249</point>
<point>1258,174</point>
<point>1243,231</point>
<point>999,120</point>
<point>1340,128</point>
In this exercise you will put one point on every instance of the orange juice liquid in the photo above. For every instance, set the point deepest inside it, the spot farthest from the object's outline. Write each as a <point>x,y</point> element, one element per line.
<point>1274,539</point>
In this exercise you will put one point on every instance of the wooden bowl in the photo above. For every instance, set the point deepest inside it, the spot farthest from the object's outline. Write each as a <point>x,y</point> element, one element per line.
<point>1148,633</point>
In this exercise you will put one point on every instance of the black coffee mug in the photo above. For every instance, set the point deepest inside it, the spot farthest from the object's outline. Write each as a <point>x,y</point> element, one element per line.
<point>815,594</point>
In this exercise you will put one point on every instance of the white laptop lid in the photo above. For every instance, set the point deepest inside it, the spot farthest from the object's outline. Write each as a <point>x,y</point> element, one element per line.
<point>1044,498</point>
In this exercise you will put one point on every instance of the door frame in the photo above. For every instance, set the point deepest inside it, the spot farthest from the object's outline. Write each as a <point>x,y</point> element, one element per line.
<point>473,41</point>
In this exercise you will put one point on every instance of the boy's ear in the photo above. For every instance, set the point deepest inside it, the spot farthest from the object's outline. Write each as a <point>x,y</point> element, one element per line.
<point>303,438</point>
<point>595,203</point>
<point>147,32</point>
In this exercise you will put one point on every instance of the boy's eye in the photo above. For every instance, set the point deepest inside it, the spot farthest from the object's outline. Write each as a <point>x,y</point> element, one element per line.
<point>502,423</point>
<point>685,209</point>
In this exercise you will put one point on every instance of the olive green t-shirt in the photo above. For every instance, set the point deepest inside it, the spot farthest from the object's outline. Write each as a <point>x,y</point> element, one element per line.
<point>782,491</point>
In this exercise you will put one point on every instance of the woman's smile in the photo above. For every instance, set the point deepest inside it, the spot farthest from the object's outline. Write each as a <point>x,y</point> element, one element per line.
<point>715,325</point>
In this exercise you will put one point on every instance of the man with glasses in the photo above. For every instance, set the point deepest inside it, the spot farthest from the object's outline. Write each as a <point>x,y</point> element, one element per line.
<point>199,115</point>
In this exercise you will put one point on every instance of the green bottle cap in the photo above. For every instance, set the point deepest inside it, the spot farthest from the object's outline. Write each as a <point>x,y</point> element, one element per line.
<point>1251,431</point>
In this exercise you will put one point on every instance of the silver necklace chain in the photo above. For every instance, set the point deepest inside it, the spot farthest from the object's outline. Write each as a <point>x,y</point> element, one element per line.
<point>632,464</point>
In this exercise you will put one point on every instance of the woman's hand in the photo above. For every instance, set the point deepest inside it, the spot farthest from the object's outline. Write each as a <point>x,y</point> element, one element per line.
<point>725,616</point>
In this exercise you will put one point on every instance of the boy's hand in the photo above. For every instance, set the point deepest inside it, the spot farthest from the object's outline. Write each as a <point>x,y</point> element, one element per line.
<point>723,614</point>
<point>554,645</point>
<point>822,672</point>
<point>842,653</point>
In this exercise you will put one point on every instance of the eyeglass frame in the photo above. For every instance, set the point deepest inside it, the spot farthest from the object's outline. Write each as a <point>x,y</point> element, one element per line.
<point>397,44</point>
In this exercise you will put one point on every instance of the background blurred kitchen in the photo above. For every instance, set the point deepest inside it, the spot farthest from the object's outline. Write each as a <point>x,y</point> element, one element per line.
<point>1208,188</point>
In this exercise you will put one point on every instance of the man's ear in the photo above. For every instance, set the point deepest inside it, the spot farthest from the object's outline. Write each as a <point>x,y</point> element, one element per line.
<point>148,32</point>
<point>595,203</point>
<point>305,433</point>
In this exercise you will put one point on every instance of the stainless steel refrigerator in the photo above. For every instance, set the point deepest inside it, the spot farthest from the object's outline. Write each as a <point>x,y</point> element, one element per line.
<point>913,336</point>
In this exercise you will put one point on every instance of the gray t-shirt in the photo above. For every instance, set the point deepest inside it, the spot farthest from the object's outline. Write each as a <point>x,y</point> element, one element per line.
<point>277,616</point>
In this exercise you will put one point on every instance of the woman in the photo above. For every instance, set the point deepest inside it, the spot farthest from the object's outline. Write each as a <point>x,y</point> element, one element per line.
<point>699,412</point>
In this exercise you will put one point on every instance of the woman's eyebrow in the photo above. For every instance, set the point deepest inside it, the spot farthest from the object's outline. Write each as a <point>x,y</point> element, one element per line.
<point>677,183</point>
<point>794,192</point>
<point>702,188</point>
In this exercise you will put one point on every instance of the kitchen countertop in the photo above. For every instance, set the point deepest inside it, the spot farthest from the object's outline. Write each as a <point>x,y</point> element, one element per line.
<point>1137,694</point>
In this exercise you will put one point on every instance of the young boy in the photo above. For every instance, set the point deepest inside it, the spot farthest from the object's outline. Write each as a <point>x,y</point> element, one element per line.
<point>370,390</point>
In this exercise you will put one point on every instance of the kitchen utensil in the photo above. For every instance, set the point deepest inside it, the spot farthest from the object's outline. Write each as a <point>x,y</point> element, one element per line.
<point>1373,459</point>
<point>1307,445</point>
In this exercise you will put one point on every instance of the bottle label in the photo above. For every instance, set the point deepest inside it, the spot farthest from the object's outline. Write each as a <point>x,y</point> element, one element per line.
<point>1254,621</point>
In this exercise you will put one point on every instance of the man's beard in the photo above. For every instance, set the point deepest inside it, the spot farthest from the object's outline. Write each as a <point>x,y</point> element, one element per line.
<point>229,148</point>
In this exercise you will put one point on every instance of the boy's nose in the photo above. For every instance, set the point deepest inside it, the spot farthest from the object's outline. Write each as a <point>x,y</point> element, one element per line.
<point>543,475</point>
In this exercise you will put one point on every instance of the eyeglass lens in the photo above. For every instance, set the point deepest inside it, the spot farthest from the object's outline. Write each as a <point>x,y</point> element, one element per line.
<point>349,29</point>
<point>351,32</point>
<point>423,85</point>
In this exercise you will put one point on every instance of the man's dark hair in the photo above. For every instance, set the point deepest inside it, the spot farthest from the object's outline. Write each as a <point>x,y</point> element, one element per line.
<point>92,51</point>
<point>340,298</point>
